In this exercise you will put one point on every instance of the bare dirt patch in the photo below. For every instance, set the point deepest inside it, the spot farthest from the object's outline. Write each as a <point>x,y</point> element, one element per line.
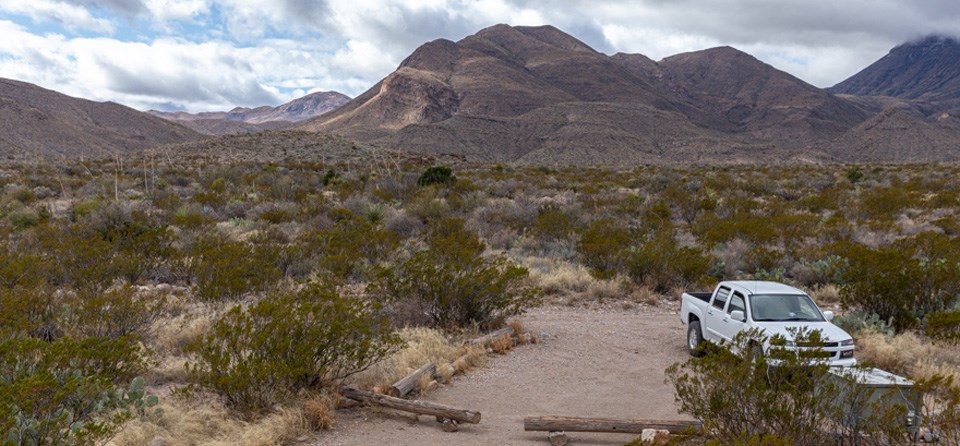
<point>592,363</point>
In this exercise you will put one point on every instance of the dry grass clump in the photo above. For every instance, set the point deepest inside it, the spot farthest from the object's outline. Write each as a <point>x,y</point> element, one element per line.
<point>319,412</point>
<point>559,278</point>
<point>423,345</point>
<point>502,345</point>
<point>908,354</point>
<point>170,336</point>
<point>826,295</point>
<point>210,424</point>
<point>645,295</point>
<point>600,290</point>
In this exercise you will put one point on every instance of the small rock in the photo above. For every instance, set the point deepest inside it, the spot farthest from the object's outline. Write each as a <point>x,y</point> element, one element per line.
<point>158,441</point>
<point>655,436</point>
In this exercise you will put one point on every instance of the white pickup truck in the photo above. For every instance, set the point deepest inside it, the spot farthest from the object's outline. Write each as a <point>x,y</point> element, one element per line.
<point>772,308</point>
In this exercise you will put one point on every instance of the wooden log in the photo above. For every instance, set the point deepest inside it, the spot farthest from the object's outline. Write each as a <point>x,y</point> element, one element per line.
<point>576,424</point>
<point>486,339</point>
<point>418,407</point>
<point>406,385</point>
<point>558,438</point>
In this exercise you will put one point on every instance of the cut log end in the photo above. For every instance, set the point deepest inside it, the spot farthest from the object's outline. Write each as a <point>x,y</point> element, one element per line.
<point>449,426</point>
<point>558,438</point>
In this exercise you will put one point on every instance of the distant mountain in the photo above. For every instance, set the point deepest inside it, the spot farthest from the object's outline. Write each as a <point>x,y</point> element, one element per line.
<point>926,70</point>
<point>38,122</point>
<point>536,94</point>
<point>250,120</point>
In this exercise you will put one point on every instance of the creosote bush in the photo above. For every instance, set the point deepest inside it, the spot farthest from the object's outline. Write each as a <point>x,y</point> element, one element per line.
<point>310,339</point>
<point>455,285</point>
<point>742,399</point>
<point>437,175</point>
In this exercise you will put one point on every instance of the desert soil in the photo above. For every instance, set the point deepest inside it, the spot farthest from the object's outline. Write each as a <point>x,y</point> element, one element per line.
<point>591,363</point>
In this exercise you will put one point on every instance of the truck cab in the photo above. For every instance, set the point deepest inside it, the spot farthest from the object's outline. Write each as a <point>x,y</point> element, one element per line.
<point>774,309</point>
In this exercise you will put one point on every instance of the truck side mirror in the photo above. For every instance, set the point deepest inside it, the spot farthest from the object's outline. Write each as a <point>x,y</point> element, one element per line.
<point>738,315</point>
<point>828,315</point>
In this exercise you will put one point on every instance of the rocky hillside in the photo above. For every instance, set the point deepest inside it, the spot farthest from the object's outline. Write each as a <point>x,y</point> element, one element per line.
<point>926,70</point>
<point>36,122</point>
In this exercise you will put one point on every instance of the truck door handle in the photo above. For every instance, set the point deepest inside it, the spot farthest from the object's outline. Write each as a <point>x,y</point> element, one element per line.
<point>710,313</point>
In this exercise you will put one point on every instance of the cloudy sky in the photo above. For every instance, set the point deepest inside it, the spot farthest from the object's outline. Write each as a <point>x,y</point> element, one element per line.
<point>201,55</point>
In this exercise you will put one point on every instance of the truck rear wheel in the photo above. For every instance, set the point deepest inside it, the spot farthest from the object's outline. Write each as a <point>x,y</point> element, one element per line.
<point>694,339</point>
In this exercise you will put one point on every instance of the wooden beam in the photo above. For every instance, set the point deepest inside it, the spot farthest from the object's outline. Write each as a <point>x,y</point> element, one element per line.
<point>419,407</point>
<point>576,424</point>
<point>406,385</point>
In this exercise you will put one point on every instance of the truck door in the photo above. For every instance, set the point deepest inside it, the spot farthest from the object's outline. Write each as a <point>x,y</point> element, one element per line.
<point>729,327</point>
<point>715,315</point>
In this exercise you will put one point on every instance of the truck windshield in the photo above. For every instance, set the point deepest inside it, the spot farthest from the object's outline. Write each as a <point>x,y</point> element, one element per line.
<point>784,307</point>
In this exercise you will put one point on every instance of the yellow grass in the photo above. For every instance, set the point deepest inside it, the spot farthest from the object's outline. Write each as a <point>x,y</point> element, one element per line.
<point>826,295</point>
<point>908,354</point>
<point>423,346</point>
<point>209,424</point>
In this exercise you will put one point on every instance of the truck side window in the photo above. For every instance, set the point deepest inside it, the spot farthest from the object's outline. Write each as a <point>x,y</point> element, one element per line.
<point>721,299</point>
<point>736,303</point>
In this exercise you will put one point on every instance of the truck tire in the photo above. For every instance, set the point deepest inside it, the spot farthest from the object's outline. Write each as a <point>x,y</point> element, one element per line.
<point>694,339</point>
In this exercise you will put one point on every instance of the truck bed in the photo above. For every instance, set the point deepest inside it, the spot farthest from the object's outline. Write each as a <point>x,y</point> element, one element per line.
<point>704,296</point>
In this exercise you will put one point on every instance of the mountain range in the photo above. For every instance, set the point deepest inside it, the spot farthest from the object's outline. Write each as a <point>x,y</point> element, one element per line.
<point>538,95</point>
<point>251,120</point>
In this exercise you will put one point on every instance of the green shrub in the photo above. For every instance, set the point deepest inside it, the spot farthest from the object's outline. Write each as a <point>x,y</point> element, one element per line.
<point>79,256</point>
<point>660,264</point>
<point>114,313</point>
<point>326,337</point>
<point>603,247</point>
<point>854,174</point>
<point>24,217</point>
<point>331,178</point>
<point>58,386</point>
<point>741,399</point>
<point>455,285</point>
<point>552,224</point>
<point>441,175</point>
<point>225,269</point>
<point>902,283</point>
<point>943,326</point>
<point>43,404</point>
<point>350,248</point>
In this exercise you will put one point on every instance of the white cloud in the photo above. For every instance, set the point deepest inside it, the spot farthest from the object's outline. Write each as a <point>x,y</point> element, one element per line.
<point>72,17</point>
<point>178,10</point>
<point>271,50</point>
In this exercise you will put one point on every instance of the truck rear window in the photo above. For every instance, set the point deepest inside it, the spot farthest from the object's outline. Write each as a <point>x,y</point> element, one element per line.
<point>721,299</point>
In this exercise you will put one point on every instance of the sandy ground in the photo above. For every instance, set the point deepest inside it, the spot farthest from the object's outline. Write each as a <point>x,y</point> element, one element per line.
<point>591,363</point>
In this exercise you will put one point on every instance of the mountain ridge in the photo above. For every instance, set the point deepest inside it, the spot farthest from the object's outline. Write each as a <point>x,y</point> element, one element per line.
<point>251,120</point>
<point>515,93</point>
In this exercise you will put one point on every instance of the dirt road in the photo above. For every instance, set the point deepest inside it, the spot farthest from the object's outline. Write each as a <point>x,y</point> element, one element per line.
<point>598,363</point>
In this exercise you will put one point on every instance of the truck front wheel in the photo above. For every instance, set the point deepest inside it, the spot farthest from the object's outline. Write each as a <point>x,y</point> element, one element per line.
<point>694,339</point>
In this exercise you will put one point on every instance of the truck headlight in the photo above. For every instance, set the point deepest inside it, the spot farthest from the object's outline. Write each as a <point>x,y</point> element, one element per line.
<point>846,343</point>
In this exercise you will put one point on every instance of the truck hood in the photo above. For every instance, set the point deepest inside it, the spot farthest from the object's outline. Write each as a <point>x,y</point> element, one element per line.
<point>830,332</point>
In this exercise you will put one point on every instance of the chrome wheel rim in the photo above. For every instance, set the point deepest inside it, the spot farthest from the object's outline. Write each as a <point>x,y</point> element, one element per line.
<point>693,339</point>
